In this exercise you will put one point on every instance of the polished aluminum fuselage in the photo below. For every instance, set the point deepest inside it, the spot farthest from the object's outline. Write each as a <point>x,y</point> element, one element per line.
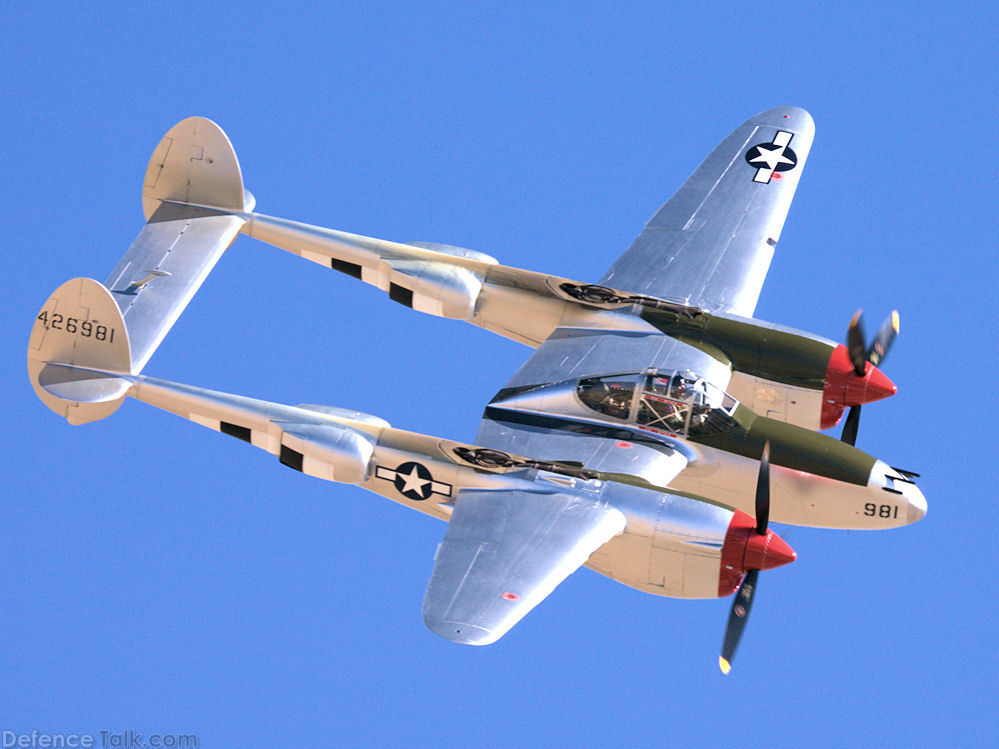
<point>885,498</point>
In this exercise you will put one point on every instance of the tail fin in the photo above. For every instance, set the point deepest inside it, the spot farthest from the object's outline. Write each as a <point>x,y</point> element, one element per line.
<point>195,164</point>
<point>194,202</point>
<point>78,344</point>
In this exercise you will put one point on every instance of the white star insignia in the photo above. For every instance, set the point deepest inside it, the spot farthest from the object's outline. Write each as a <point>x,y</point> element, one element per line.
<point>413,482</point>
<point>772,156</point>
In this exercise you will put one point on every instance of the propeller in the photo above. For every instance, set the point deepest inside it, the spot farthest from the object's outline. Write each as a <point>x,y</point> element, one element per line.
<point>861,353</point>
<point>851,426</point>
<point>743,600</point>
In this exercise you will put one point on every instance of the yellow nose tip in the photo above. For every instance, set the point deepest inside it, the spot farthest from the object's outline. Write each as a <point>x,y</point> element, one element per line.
<point>724,664</point>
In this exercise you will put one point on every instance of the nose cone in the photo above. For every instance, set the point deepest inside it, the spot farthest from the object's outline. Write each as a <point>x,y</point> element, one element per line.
<point>767,551</point>
<point>878,386</point>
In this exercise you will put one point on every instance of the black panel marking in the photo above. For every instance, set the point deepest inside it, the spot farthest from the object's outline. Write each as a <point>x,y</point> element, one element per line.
<point>235,430</point>
<point>291,458</point>
<point>351,269</point>
<point>401,294</point>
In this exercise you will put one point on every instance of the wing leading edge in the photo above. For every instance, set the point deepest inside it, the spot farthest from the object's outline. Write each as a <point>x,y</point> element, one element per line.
<point>712,242</point>
<point>504,552</point>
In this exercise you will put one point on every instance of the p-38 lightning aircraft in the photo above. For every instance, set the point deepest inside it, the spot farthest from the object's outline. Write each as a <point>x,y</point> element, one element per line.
<point>652,434</point>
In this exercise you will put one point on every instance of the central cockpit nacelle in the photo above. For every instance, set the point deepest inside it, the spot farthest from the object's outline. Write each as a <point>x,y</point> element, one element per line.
<point>677,403</point>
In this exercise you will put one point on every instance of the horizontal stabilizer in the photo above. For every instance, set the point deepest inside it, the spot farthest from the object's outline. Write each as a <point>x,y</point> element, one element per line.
<point>163,270</point>
<point>73,383</point>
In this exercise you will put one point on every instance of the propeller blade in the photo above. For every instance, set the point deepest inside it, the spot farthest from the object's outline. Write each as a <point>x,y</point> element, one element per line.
<point>851,426</point>
<point>737,619</point>
<point>856,343</point>
<point>763,491</point>
<point>883,340</point>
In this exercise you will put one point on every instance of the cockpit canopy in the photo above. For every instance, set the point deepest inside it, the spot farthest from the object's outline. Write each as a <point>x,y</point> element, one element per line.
<point>673,402</point>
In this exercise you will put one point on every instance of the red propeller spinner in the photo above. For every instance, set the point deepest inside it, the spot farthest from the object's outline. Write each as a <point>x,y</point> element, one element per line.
<point>746,549</point>
<point>844,387</point>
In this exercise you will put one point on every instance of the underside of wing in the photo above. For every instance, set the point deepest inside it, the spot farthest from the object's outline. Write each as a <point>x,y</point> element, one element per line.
<point>503,552</point>
<point>712,243</point>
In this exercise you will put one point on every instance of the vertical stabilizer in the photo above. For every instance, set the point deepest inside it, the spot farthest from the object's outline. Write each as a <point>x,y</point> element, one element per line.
<point>195,164</point>
<point>78,344</point>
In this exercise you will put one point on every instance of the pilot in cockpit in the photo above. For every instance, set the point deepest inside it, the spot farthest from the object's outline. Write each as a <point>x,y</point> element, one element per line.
<point>683,388</point>
<point>617,403</point>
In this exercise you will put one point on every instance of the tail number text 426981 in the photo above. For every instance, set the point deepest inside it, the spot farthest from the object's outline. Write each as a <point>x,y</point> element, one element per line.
<point>84,328</point>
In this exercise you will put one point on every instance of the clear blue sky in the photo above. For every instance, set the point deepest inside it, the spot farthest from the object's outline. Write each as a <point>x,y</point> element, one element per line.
<point>158,577</point>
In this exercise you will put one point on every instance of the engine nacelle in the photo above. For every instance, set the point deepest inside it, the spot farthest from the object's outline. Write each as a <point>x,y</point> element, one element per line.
<point>327,451</point>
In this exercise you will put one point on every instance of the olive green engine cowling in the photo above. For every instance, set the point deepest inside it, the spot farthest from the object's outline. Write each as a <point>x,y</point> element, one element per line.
<point>775,355</point>
<point>793,447</point>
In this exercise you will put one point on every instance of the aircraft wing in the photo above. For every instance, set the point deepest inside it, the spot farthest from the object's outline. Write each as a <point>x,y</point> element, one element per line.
<point>504,551</point>
<point>712,243</point>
